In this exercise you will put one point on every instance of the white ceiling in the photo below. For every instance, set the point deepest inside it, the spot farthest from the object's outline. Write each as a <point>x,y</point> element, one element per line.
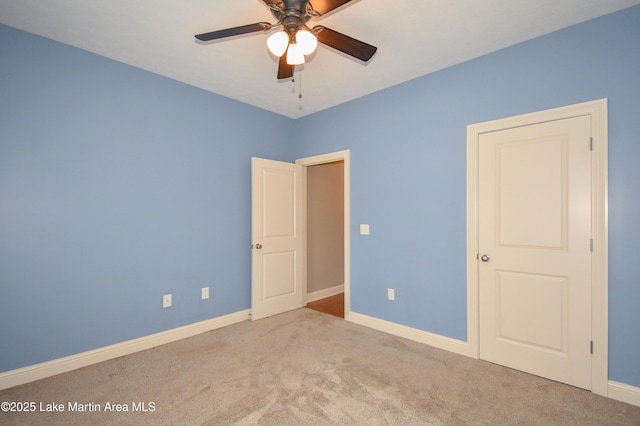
<point>414,38</point>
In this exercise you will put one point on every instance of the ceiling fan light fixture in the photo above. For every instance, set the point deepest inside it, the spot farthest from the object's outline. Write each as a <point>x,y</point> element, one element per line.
<point>295,55</point>
<point>293,34</point>
<point>278,42</point>
<point>306,41</point>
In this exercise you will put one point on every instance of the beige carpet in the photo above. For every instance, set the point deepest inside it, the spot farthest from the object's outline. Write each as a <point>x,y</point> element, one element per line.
<point>309,368</point>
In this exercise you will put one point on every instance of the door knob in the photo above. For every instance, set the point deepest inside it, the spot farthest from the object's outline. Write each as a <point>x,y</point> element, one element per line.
<point>485,258</point>
<point>258,246</point>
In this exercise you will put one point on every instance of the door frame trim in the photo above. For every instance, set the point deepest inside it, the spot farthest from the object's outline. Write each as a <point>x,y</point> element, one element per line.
<point>323,159</point>
<point>597,110</point>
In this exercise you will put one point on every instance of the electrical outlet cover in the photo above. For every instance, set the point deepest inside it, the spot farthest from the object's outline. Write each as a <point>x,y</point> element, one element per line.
<point>166,301</point>
<point>391,294</point>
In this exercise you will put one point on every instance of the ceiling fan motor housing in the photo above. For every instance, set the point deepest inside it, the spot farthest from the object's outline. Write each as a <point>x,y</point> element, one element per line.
<point>292,24</point>
<point>293,15</point>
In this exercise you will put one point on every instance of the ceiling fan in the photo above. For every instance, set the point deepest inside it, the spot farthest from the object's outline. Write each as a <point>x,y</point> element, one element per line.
<point>296,39</point>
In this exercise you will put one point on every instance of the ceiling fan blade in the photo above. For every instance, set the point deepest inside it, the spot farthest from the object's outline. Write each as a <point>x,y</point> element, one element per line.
<point>344,43</point>
<point>326,6</point>
<point>230,32</point>
<point>284,69</point>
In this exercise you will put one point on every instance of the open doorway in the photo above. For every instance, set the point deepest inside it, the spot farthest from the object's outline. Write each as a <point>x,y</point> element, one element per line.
<point>326,184</point>
<point>325,238</point>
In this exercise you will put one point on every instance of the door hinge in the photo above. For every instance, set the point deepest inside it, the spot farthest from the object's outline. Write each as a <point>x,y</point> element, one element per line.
<point>591,349</point>
<point>591,143</point>
<point>591,245</point>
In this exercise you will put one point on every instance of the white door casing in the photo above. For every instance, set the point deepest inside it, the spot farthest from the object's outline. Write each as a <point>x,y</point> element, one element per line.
<point>596,112</point>
<point>277,237</point>
<point>534,233</point>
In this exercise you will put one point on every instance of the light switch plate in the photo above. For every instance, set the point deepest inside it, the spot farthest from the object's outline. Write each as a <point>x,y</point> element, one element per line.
<point>364,229</point>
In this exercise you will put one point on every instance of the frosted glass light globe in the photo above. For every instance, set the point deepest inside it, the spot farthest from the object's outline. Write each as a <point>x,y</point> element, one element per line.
<point>306,41</point>
<point>278,42</point>
<point>295,55</point>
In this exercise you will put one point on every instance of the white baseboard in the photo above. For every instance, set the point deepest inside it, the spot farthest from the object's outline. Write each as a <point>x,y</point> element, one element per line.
<point>435,340</point>
<point>62,365</point>
<point>327,292</point>
<point>624,393</point>
<point>618,391</point>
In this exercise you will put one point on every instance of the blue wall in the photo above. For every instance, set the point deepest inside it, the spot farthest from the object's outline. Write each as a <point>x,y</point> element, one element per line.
<point>117,185</point>
<point>408,172</point>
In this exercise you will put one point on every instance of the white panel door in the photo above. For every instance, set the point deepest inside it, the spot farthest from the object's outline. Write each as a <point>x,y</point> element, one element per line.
<point>534,246</point>
<point>277,250</point>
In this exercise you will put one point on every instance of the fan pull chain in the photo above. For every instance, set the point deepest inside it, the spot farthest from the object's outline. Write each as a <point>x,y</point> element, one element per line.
<point>299,84</point>
<point>293,80</point>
